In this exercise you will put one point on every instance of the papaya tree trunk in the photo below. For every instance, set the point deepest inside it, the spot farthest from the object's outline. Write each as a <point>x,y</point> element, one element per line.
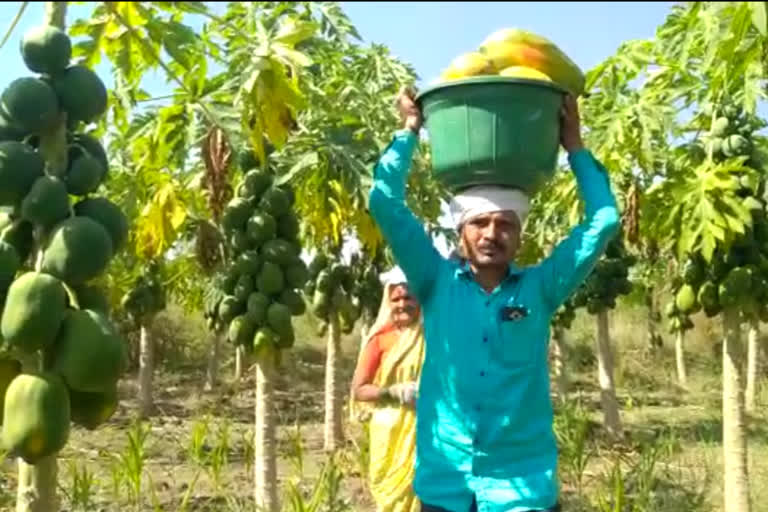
<point>558,364</point>
<point>37,484</point>
<point>265,463</point>
<point>238,363</point>
<point>211,373</point>
<point>610,406</point>
<point>682,378</point>
<point>332,432</point>
<point>753,361</point>
<point>736,477</point>
<point>146,369</point>
<point>652,320</point>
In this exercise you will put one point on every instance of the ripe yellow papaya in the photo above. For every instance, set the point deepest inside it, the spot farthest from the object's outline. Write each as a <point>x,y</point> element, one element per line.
<point>468,64</point>
<point>524,72</point>
<point>517,47</point>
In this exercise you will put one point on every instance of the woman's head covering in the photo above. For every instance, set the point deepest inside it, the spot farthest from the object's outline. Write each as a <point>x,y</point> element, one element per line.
<point>488,199</point>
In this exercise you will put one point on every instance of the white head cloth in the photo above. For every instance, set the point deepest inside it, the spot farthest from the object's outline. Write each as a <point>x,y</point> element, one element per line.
<point>488,199</point>
<point>394,276</point>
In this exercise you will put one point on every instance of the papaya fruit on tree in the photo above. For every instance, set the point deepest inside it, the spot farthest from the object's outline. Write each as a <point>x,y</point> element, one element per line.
<point>54,308</point>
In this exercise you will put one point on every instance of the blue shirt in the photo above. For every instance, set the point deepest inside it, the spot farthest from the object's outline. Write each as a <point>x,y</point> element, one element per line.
<point>484,415</point>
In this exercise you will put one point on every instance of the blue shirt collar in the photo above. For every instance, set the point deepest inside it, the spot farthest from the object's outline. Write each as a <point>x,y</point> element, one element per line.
<point>462,269</point>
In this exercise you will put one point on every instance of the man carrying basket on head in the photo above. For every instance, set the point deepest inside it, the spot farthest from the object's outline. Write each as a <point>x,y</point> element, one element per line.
<point>484,436</point>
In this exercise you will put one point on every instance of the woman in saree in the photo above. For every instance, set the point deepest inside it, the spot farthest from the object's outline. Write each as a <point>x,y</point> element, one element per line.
<point>386,383</point>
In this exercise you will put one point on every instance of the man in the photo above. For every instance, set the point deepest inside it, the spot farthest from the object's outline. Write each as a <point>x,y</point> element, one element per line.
<point>484,418</point>
<point>386,377</point>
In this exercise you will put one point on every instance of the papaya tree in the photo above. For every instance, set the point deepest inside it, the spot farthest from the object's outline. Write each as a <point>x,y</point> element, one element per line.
<point>55,317</point>
<point>329,289</point>
<point>708,206</point>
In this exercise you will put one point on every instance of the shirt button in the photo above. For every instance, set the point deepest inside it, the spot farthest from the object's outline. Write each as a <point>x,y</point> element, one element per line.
<point>482,374</point>
<point>485,339</point>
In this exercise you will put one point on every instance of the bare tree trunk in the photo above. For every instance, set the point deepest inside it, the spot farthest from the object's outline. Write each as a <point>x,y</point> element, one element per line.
<point>654,339</point>
<point>753,361</point>
<point>146,369</point>
<point>680,358</point>
<point>36,486</point>
<point>558,364</point>
<point>238,363</point>
<point>736,475</point>
<point>265,464</point>
<point>611,419</point>
<point>332,432</point>
<point>211,374</point>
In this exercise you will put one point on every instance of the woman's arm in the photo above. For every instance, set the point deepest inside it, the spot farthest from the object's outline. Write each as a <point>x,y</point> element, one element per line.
<point>363,389</point>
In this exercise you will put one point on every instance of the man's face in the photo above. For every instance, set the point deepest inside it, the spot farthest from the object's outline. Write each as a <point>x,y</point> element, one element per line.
<point>491,239</point>
<point>405,309</point>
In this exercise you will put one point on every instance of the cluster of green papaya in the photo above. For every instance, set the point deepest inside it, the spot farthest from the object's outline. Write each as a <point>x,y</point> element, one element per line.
<point>565,315</point>
<point>51,253</point>
<point>368,288</point>
<point>331,287</point>
<point>737,275</point>
<point>147,295</point>
<point>258,293</point>
<point>730,135</point>
<point>608,280</point>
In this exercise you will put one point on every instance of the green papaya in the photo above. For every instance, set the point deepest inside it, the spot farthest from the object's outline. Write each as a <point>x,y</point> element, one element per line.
<point>319,263</point>
<point>261,228</point>
<point>47,202</point>
<point>243,288</point>
<point>248,263</point>
<point>279,252</point>
<point>82,94</point>
<point>258,303</point>
<point>20,167</point>
<point>264,338</point>
<point>293,301</point>
<point>85,144</point>
<point>735,145</point>
<point>9,265</point>
<point>30,103</point>
<point>89,354</point>
<point>279,319</point>
<point>256,182</point>
<point>108,214</point>
<point>288,226</point>
<point>296,275</point>
<point>275,202</point>
<point>685,299</point>
<point>84,175</point>
<point>91,410</point>
<point>720,127</point>
<point>34,310</point>
<point>240,242</point>
<point>36,416</point>
<point>241,330</point>
<point>229,308</point>
<point>270,280</point>
<point>9,369</point>
<point>236,214</point>
<point>46,49</point>
<point>92,297</point>
<point>79,250</point>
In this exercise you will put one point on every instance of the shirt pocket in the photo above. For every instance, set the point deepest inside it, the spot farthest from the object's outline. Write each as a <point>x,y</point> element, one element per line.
<point>515,342</point>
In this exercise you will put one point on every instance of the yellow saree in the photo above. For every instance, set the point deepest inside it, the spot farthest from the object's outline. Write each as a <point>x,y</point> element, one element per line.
<point>392,427</point>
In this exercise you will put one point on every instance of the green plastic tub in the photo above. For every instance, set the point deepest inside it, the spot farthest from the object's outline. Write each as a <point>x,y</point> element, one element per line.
<point>493,130</point>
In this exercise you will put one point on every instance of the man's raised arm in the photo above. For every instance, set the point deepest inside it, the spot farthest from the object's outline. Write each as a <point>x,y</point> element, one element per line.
<point>411,246</point>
